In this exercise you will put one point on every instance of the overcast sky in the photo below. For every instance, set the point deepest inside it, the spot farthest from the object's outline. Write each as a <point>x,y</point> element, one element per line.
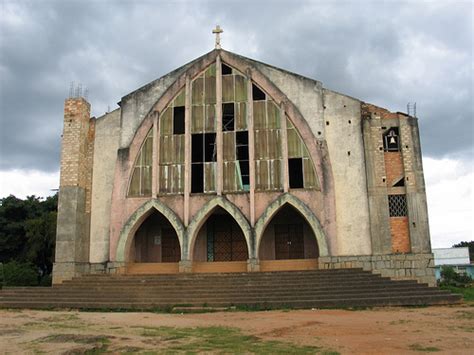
<point>383,52</point>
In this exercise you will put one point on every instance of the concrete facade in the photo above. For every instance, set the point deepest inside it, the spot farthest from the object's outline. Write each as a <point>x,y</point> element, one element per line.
<point>348,210</point>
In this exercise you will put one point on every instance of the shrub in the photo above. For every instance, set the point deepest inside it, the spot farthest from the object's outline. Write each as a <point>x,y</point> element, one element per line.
<point>20,274</point>
<point>449,277</point>
<point>46,280</point>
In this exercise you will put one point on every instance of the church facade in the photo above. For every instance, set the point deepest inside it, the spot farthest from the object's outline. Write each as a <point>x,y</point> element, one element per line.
<point>231,165</point>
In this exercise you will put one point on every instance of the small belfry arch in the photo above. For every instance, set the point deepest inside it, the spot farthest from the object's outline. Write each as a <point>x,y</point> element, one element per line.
<point>137,218</point>
<point>205,212</point>
<point>278,204</point>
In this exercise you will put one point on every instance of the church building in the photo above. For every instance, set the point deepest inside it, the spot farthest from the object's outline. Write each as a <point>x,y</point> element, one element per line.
<point>227,164</point>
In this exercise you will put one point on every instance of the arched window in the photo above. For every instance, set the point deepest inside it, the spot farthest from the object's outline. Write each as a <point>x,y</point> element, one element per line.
<point>140,184</point>
<point>239,99</point>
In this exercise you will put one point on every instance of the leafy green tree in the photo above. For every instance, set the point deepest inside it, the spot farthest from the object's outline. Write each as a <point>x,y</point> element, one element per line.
<point>20,274</point>
<point>28,233</point>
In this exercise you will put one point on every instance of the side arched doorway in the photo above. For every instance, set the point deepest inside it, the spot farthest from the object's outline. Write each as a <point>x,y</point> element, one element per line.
<point>220,245</point>
<point>288,242</point>
<point>155,247</point>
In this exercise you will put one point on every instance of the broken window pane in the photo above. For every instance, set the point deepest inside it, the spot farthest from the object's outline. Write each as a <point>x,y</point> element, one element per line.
<point>226,70</point>
<point>257,93</point>
<point>228,117</point>
<point>178,120</point>
<point>197,178</point>
<point>295,172</point>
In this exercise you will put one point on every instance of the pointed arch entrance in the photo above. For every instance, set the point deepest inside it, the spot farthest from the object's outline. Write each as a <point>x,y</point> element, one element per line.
<point>151,240</point>
<point>155,241</point>
<point>289,236</point>
<point>155,247</point>
<point>219,238</point>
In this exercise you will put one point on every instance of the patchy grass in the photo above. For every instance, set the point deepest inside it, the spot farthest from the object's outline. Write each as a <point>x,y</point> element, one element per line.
<point>221,339</point>
<point>100,343</point>
<point>418,347</point>
<point>466,292</point>
<point>468,314</point>
<point>400,321</point>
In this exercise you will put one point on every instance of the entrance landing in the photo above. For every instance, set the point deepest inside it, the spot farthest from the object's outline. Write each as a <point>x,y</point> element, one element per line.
<point>222,266</point>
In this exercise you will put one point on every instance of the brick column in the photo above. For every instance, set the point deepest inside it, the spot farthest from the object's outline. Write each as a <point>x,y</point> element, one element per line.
<point>72,236</point>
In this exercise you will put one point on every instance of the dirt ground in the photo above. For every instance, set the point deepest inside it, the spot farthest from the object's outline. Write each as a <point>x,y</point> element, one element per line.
<point>445,330</point>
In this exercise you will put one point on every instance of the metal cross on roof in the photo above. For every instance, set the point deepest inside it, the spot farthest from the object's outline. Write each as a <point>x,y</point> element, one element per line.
<point>217,31</point>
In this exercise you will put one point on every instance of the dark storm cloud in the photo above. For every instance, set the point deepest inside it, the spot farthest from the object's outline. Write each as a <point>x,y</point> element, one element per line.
<point>386,53</point>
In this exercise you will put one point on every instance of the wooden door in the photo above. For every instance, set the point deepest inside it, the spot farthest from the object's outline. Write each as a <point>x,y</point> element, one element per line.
<point>289,241</point>
<point>170,250</point>
<point>228,241</point>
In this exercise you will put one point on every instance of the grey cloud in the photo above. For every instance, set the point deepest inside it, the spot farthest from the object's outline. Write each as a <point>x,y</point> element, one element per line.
<point>362,49</point>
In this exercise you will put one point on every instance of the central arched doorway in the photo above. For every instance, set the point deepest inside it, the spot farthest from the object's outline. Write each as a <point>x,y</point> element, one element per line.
<point>220,245</point>
<point>288,242</point>
<point>155,247</point>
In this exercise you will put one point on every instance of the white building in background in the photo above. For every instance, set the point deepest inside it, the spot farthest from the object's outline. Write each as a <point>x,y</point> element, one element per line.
<point>458,258</point>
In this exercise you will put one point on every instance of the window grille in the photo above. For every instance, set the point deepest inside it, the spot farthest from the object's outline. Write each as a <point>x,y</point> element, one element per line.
<point>397,205</point>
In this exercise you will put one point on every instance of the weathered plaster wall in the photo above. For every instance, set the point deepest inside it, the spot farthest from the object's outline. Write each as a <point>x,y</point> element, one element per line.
<point>136,105</point>
<point>107,137</point>
<point>343,129</point>
<point>306,94</point>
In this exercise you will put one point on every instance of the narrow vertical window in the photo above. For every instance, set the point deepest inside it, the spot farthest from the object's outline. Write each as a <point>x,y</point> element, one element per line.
<point>140,185</point>
<point>300,167</point>
<point>171,160</point>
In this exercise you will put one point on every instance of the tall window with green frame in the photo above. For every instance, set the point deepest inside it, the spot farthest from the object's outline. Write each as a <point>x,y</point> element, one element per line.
<point>203,132</point>
<point>300,166</point>
<point>171,162</point>
<point>140,184</point>
<point>236,174</point>
<point>268,154</point>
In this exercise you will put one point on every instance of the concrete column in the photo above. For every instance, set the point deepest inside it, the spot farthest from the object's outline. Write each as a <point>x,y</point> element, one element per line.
<point>415,186</point>
<point>155,157</point>
<point>284,148</point>
<point>377,191</point>
<point>187,151</point>
<point>219,137</point>
<point>250,128</point>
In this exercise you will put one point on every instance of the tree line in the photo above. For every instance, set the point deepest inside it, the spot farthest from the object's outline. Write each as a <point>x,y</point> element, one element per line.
<point>27,239</point>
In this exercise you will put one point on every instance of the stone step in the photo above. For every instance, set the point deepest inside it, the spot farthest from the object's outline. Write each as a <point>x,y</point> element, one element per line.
<point>298,289</point>
<point>210,295</point>
<point>178,291</point>
<point>225,276</point>
<point>224,281</point>
<point>320,303</point>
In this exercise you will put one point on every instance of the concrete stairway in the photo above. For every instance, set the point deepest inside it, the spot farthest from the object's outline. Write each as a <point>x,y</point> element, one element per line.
<point>295,289</point>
